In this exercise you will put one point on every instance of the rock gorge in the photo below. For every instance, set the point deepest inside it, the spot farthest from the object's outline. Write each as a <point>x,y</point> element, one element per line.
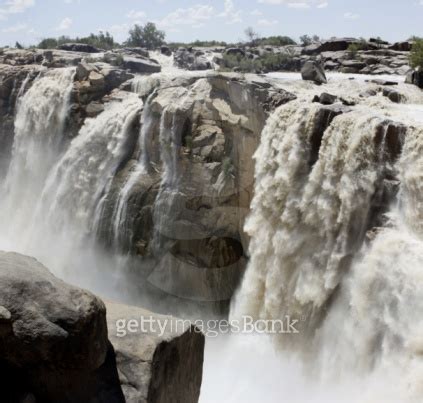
<point>188,192</point>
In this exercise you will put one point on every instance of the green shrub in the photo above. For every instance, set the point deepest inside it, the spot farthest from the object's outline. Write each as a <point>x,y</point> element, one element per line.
<point>101,40</point>
<point>416,55</point>
<point>242,63</point>
<point>267,62</point>
<point>276,41</point>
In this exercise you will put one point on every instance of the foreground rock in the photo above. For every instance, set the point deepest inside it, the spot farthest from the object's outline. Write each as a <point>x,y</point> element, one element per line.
<point>313,71</point>
<point>155,367</point>
<point>54,345</point>
<point>53,338</point>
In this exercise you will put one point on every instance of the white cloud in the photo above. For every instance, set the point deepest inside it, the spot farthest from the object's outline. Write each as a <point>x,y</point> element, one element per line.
<point>194,16</point>
<point>14,7</point>
<point>267,23</point>
<point>323,5</point>
<point>136,15</point>
<point>297,3</point>
<point>65,24</point>
<point>231,14</point>
<point>351,16</point>
<point>258,13</point>
<point>15,28</point>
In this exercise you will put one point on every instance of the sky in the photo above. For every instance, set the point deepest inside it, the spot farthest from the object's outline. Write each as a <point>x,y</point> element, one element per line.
<point>29,21</point>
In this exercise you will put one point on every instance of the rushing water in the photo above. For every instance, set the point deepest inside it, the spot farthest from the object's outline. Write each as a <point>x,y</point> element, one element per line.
<point>314,251</point>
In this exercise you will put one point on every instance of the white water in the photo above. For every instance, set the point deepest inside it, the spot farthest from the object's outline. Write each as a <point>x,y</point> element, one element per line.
<point>370,338</point>
<point>368,347</point>
<point>52,195</point>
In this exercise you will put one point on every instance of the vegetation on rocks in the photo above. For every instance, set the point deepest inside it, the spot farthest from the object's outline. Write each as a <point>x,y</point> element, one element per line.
<point>147,36</point>
<point>103,40</point>
<point>416,56</point>
<point>247,64</point>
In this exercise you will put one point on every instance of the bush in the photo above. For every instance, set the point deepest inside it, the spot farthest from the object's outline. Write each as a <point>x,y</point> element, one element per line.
<point>276,41</point>
<point>147,36</point>
<point>267,62</point>
<point>416,55</point>
<point>101,40</point>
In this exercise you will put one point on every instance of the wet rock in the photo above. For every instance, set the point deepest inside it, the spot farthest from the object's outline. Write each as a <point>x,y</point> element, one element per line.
<point>141,65</point>
<point>313,71</point>
<point>325,98</point>
<point>393,95</point>
<point>415,77</point>
<point>156,367</point>
<point>165,50</point>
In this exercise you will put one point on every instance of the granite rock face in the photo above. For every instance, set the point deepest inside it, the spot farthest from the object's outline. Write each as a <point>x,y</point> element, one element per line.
<point>53,338</point>
<point>156,366</point>
<point>55,348</point>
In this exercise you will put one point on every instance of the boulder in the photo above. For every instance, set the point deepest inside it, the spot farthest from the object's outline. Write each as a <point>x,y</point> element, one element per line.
<point>53,338</point>
<point>336,44</point>
<point>141,65</point>
<point>393,95</point>
<point>156,366</point>
<point>134,51</point>
<point>235,51</point>
<point>79,47</point>
<point>415,77</point>
<point>186,59</point>
<point>96,79</point>
<point>165,50</point>
<point>83,70</point>
<point>402,46</point>
<point>313,71</point>
<point>325,98</point>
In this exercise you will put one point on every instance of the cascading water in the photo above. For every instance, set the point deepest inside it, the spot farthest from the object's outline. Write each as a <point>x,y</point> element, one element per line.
<point>357,301</point>
<point>39,139</point>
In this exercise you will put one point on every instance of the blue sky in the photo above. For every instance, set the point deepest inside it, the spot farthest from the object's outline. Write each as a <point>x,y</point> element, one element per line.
<point>28,21</point>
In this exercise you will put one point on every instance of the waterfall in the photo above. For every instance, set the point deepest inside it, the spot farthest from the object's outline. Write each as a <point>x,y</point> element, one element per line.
<point>319,255</point>
<point>38,141</point>
<point>85,171</point>
<point>55,187</point>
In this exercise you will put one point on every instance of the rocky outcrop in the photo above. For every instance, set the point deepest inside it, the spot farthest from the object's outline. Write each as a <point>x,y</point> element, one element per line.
<point>141,65</point>
<point>191,59</point>
<point>415,77</point>
<point>197,249</point>
<point>156,366</point>
<point>313,71</point>
<point>53,338</point>
<point>79,47</point>
<point>55,348</point>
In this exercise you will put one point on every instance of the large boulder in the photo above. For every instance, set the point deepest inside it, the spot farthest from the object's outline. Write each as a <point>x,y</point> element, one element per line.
<point>415,77</point>
<point>156,366</point>
<point>53,338</point>
<point>79,47</point>
<point>165,50</point>
<point>188,59</point>
<point>141,65</point>
<point>313,71</point>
